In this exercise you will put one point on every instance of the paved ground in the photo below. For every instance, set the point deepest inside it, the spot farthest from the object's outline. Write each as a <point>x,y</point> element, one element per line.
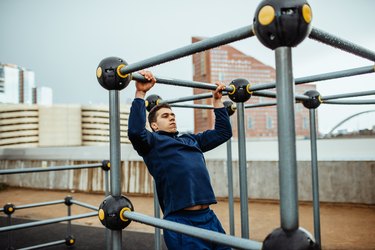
<point>343,226</point>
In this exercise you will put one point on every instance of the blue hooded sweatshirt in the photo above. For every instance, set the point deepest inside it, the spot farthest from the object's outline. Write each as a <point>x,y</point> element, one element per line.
<point>176,162</point>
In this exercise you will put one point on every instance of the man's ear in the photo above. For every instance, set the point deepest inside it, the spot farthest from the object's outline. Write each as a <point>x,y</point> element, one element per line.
<point>154,126</point>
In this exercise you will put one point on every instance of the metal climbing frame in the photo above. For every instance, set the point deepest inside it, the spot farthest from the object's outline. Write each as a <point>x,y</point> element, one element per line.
<point>286,128</point>
<point>9,208</point>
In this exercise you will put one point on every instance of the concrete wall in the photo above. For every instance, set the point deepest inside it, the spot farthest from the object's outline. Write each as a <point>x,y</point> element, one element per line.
<point>345,177</point>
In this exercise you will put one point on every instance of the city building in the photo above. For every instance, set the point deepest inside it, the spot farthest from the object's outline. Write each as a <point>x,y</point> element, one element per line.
<point>16,84</point>
<point>24,125</point>
<point>42,95</point>
<point>225,64</point>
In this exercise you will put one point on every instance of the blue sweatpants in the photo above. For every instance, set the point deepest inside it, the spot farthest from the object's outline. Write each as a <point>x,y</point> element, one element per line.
<point>205,219</point>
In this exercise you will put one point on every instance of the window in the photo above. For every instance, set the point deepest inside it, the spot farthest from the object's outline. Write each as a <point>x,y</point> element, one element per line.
<point>269,122</point>
<point>305,123</point>
<point>250,122</point>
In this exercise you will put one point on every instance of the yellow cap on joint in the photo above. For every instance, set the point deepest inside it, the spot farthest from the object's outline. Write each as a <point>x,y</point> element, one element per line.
<point>101,214</point>
<point>122,213</point>
<point>248,89</point>
<point>119,71</point>
<point>266,15</point>
<point>10,209</point>
<point>234,89</point>
<point>99,72</point>
<point>306,13</point>
<point>320,99</point>
<point>71,241</point>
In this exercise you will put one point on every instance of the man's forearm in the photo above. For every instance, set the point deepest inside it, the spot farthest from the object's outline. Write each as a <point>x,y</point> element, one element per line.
<point>217,103</point>
<point>140,94</point>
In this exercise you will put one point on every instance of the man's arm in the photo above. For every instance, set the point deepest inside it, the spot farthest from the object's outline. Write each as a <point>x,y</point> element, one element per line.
<point>139,136</point>
<point>223,130</point>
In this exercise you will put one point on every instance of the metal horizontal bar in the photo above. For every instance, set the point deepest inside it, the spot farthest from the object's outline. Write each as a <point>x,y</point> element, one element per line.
<point>59,168</point>
<point>263,104</point>
<point>46,222</point>
<point>336,74</point>
<point>82,204</point>
<point>40,204</point>
<point>188,98</point>
<point>320,77</point>
<point>351,102</point>
<point>354,94</point>
<point>216,237</point>
<point>273,95</point>
<point>195,106</point>
<point>190,49</point>
<point>178,82</point>
<point>334,41</point>
<point>49,244</point>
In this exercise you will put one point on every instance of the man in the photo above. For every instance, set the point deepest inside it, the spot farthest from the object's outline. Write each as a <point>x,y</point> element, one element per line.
<point>177,164</point>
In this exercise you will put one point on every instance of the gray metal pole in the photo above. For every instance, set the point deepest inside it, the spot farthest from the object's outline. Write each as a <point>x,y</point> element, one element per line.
<point>351,102</point>
<point>188,98</point>
<point>200,233</point>
<point>36,205</point>
<point>82,204</point>
<point>115,156</point>
<point>195,106</point>
<point>286,139</point>
<point>190,49</point>
<point>181,83</point>
<point>46,222</point>
<point>9,220</point>
<point>49,244</point>
<point>69,227</point>
<point>262,104</point>
<point>320,77</point>
<point>315,176</point>
<point>342,44</point>
<point>230,187</point>
<point>59,168</point>
<point>243,171</point>
<point>106,183</point>
<point>355,94</point>
<point>157,215</point>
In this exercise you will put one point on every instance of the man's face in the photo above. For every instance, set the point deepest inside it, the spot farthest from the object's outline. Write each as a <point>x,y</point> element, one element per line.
<point>165,121</point>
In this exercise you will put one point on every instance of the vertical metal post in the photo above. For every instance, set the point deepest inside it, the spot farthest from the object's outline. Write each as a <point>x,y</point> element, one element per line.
<point>10,232</point>
<point>69,228</point>
<point>107,231</point>
<point>115,156</point>
<point>157,215</point>
<point>287,139</point>
<point>242,171</point>
<point>106,183</point>
<point>315,176</point>
<point>230,186</point>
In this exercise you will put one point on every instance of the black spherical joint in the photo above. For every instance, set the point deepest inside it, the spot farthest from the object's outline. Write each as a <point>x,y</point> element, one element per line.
<point>106,165</point>
<point>68,200</point>
<point>111,212</point>
<point>281,239</point>
<point>282,23</point>
<point>314,101</point>
<point>230,107</point>
<point>241,90</point>
<point>109,74</point>
<point>152,101</point>
<point>70,240</point>
<point>9,208</point>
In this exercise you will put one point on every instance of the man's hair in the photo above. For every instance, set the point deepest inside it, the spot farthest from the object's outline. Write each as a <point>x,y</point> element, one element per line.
<point>154,110</point>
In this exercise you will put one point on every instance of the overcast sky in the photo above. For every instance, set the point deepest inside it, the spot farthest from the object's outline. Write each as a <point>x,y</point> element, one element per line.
<point>64,41</point>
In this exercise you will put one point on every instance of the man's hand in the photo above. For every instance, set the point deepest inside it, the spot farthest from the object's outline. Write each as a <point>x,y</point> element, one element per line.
<point>143,87</point>
<point>217,95</point>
